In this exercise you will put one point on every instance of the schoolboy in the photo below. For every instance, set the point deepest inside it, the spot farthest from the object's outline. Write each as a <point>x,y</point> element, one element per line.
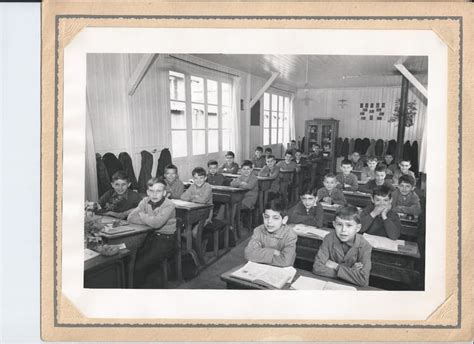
<point>357,163</point>
<point>258,160</point>
<point>368,172</point>
<point>344,253</point>
<point>158,212</point>
<point>199,191</point>
<point>315,159</point>
<point>213,176</point>
<point>120,201</point>
<point>273,242</point>
<point>404,199</point>
<point>391,166</point>
<point>315,155</point>
<point>229,166</point>
<point>287,164</point>
<point>293,147</point>
<point>286,180</point>
<point>174,186</point>
<point>403,169</point>
<point>380,174</point>
<point>329,193</point>
<point>268,151</point>
<point>271,170</point>
<point>345,179</point>
<point>247,181</point>
<point>378,218</point>
<point>298,159</point>
<point>308,211</point>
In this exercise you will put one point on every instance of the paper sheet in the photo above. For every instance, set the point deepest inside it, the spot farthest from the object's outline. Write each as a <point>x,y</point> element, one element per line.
<point>381,242</point>
<point>303,229</point>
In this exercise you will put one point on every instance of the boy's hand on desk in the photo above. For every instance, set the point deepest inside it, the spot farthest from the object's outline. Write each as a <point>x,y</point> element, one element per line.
<point>357,266</point>
<point>332,265</point>
<point>327,199</point>
<point>276,253</point>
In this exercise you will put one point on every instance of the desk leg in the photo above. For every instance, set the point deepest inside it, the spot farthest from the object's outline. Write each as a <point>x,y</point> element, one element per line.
<point>237,207</point>
<point>227,226</point>
<point>131,268</point>
<point>260,204</point>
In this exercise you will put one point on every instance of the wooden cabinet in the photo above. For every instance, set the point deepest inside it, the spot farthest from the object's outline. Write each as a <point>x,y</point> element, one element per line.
<point>323,132</point>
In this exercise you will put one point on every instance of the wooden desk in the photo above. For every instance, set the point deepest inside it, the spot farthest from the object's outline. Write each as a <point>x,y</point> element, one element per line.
<point>286,181</point>
<point>232,197</point>
<point>264,184</point>
<point>237,283</point>
<point>109,272</point>
<point>133,240</point>
<point>193,213</point>
<point>395,266</point>
<point>357,198</point>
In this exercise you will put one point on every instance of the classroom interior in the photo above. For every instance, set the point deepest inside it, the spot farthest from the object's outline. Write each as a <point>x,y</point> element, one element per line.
<point>199,106</point>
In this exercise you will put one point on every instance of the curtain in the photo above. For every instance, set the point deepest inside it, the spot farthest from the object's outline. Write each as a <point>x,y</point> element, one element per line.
<point>235,143</point>
<point>292,123</point>
<point>91,191</point>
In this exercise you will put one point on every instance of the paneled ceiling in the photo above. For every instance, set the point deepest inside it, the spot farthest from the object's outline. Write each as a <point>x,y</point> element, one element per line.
<point>326,71</point>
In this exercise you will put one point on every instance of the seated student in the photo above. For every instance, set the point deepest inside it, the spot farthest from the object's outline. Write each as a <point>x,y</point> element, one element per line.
<point>345,179</point>
<point>391,166</point>
<point>329,193</point>
<point>404,169</point>
<point>293,147</point>
<point>378,218</point>
<point>357,163</point>
<point>315,159</point>
<point>368,172</point>
<point>258,160</point>
<point>273,242</point>
<point>380,174</point>
<point>308,211</point>
<point>271,170</point>
<point>404,199</point>
<point>199,191</point>
<point>174,186</point>
<point>298,159</point>
<point>229,166</point>
<point>268,151</point>
<point>159,213</point>
<point>287,164</point>
<point>247,181</point>
<point>344,253</point>
<point>119,201</point>
<point>214,177</point>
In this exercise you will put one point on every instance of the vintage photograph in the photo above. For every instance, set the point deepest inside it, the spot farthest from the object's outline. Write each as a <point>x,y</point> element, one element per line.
<point>255,171</point>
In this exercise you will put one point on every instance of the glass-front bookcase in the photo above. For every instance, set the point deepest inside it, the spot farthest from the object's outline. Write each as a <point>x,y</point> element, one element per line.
<point>324,132</point>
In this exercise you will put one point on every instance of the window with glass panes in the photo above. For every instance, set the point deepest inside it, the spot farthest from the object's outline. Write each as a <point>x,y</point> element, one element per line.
<point>276,119</point>
<point>208,102</point>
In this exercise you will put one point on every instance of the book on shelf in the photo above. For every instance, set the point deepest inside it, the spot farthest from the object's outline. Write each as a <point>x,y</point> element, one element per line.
<point>310,283</point>
<point>272,277</point>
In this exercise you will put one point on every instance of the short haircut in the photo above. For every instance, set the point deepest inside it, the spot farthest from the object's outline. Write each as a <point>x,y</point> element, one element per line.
<point>298,151</point>
<point>382,190</point>
<point>247,163</point>
<point>371,158</point>
<point>407,179</point>
<point>381,168</point>
<point>308,191</point>
<point>120,175</point>
<point>388,153</point>
<point>276,205</point>
<point>230,153</point>
<point>270,156</point>
<point>329,175</point>
<point>199,171</point>
<point>404,160</point>
<point>268,149</point>
<point>155,180</point>
<point>171,167</point>
<point>288,152</point>
<point>355,152</point>
<point>212,162</point>
<point>316,144</point>
<point>346,162</point>
<point>348,212</point>
<point>293,141</point>
<point>259,149</point>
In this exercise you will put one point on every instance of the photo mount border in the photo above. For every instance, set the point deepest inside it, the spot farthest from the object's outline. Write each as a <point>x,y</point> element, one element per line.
<point>58,18</point>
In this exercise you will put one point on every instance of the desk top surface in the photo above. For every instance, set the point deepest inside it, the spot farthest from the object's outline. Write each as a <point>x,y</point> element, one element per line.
<point>227,189</point>
<point>135,229</point>
<point>226,277</point>
<point>101,260</point>
<point>185,205</point>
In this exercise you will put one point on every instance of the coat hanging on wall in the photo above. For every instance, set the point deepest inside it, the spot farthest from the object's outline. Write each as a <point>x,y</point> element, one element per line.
<point>351,146</point>
<point>112,164</point>
<point>392,147</point>
<point>371,150</point>
<point>163,161</point>
<point>379,147</point>
<point>338,147</point>
<point>128,168</point>
<point>365,145</point>
<point>414,157</point>
<point>358,146</point>
<point>145,171</point>
<point>407,150</point>
<point>385,147</point>
<point>345,148</point>
<point>103,180</point>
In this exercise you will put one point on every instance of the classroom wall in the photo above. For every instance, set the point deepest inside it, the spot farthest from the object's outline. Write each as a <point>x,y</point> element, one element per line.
<point>324,104</point>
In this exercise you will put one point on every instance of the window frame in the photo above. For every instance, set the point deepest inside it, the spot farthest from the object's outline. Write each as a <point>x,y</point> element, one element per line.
<point>285,130</point>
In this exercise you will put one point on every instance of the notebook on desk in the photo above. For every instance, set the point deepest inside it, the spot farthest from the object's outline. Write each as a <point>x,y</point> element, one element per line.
<point>383,243</point>
<point>308,283</point>
<point>116,230</point>
<point>269,276</point>
<point>310,230</point>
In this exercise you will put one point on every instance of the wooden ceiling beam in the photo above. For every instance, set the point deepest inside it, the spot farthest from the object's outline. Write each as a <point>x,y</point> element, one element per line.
<point>140,72</point>
<point>414,81</point>
<point>263,89</point>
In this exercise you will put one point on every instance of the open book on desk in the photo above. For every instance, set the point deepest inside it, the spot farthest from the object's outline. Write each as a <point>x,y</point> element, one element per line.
<point>309,283</point>
<point>116,230</point>
<point>269,276</point>
<point>310,230</point>
<point>382,242</point>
